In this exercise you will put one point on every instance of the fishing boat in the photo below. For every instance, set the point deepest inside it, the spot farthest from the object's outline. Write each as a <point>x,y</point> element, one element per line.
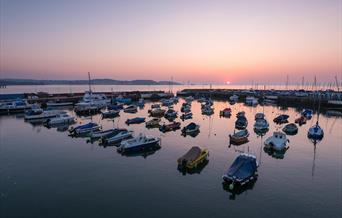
<point>170,114</point>
<point>243,170</point>
<point>135,120</point>
<point>138,144</point>
<point>307,113</point>
<point>316,132</point>
<point>16,106</point>
<point>239,137</point>
<point>157,112</point>
<point>261,125</point>
<point>190,128</point>
<point>241,123</point>
<point>207,110</point>
<point>131,109</point>
<point>122,134</point>
<point>170,127</point>
<point>37,113</point>
<point>84,129</point>
<point>186,116</point>
<point>250,100</point>
<point>227,112</point>
<point>62,118</point>
<point>301,120</point>
<point>259,116</point>
<point>277,141</point>
<point>153,123</point>
<point>281,119</point>
<point>290,129</point>
<point>110,114</point>
<point>193,158</point>
<point>58,103</point>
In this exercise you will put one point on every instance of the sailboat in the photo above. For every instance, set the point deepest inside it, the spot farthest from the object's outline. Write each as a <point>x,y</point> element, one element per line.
<point>316,132</point>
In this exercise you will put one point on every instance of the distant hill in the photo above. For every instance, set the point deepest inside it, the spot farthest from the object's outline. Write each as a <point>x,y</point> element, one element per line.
<point>9,82</point>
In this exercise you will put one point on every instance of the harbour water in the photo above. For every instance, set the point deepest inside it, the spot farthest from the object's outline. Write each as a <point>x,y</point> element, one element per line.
<point>46,173</point>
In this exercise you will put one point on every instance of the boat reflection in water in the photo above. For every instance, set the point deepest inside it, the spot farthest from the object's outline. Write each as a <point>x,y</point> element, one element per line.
<point>238,190</point>
<point>196,170</point>
<point>277,154</point>
<point>143,153</point>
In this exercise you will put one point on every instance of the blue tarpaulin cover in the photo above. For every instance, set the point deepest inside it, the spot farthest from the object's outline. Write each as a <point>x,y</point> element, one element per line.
<point>242,168</point>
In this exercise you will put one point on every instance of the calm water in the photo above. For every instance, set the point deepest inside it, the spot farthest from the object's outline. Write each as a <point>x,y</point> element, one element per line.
<point>46,173</point>
<point>118,88</point>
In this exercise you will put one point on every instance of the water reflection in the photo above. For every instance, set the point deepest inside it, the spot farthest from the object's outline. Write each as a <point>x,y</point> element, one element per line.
<point>238,190</point>
<point>144,153</point>
<point>196,170</point>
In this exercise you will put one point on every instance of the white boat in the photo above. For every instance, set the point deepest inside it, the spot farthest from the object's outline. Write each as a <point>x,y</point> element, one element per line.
<point>139,143</point>
<point>14,106</point>
<point>85,128</point>
<point>62,118</point>
<point>37,113</point>
<point>131,109</point>
<point>250,100</point>
<point>92,101</point>
<point>121,135</point>
<point>261,125</point>
<point>277,141</point>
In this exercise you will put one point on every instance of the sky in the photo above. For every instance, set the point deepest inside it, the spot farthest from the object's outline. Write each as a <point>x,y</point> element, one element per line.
<point>197,41</point>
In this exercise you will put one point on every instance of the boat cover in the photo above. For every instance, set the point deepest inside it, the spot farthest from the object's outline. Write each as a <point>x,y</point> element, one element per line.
<point>191,155</point>
<point>242,168</point>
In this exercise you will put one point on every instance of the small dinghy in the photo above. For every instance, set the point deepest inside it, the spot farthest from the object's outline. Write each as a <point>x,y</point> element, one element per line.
<point>261,125</point>
<point>135,120</point>
<point>241,123</point>
<point>63,118</point>
<point>170,127</point>
<point>120,135</point>
<point>186,116</point>
<point>239,137</point>
<point>290,129</point>
<point>191,128</point>
<point>316,132</point>
<point>281,119</point>
<point>243,170</point>
<point>307,113</point>
<point>193,158</point>
<point>277,141</point>
<point>131,109</point>
<point>138,144</point>
<point>227,112</point>
<point>157,112</point>
<point>153,123</point>
<point>301,120</point>
<point>110,114</point>
<point>85,128</point>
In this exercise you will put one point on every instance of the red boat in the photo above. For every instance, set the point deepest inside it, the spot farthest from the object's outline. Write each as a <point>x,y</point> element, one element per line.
<point>226,112</point>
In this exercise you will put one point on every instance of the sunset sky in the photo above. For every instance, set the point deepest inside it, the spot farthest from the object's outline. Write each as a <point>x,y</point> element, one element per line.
<point>200,41</point>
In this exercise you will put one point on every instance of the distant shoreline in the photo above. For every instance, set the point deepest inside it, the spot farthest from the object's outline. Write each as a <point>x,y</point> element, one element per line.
<point>17,82</point>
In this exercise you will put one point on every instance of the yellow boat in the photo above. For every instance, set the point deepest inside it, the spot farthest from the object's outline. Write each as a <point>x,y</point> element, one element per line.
<point>193,158</point>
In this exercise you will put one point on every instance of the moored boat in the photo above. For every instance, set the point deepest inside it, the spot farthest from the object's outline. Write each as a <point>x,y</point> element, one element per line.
<point>227,112</point>
<point>277,141</point>
<point>116,138</point>
<point>135,120</point>
<point>170,127</point>
<point>153,123</point>
<point>190,128</point>
<point>139,143</point>
<point>16,106</point>
<point>281,119</point>
<point>62,118</point>
<point>131,109</point>
<point>315,132</point>
<point>170,114</point>
<point>261,125</point>
<point>241,123</point>
<point>307,113</point>
<point>110,114</point>
<point>38,113</point>
<point>290,129</point>
<point>242,171</point>
<point>84,129</point>
<point>239,137</point>
<point>157,112</point>
<point>193,158</point>
<point>186,116</point>
<point>301,120</point>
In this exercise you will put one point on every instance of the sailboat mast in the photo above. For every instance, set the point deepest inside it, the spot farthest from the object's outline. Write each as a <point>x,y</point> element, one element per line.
<point>89,82</point>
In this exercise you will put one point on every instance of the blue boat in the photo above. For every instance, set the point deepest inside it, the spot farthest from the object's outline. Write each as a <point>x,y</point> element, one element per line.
<point>115,107</point>
<point>135,120</point>
<point>85,128</point>
<point>307,113</point>
<point>242,171</point>
<point>281,119</point>
<point>123,100</point>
